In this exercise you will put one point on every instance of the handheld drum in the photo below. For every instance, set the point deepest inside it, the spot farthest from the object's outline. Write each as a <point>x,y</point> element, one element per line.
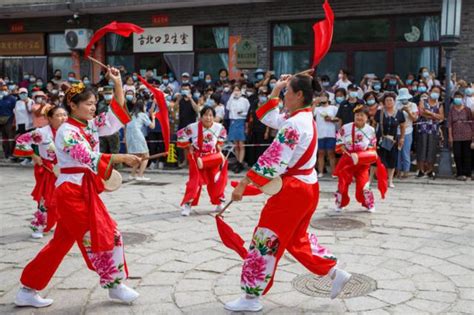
<point>210,161</point>
<point>114,182</point>
<point>364,157</point>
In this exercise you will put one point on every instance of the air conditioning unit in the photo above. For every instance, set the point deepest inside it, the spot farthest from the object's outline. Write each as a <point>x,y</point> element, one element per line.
<point>78,38</point>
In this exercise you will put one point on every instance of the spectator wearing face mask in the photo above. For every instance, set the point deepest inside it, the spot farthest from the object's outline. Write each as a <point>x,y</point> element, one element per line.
<point>188,113</point>
<point>430,78</point>
<point>108,144</point>
<point>392,82</point>
<point>23,109</point>
<point>223,78</point>
<point>238,107</point>
<point>410,112</point>
<point>343,80</point>
<point>25,83</point>
<point>39,84</point>
<point>422,89</point>
<point>461,135</point>
<point>371,101</point>
<point>129,85</point>
<point>225,96</point>
<point>431,114</point>
<point>57,78</point>
<point>326,121</point>
<point>257,132</point>
<point>410,79</point>
<point>345,113</point>
<point>186,79</point>
<point>32,84</point>
<point>340,95</point>
<point>208,82</point>
<point>39,110</point>
<point>130,99</point>
<point>7,106</point>
<point>87,82</point>
<point>213,101</point>
<point>102,80</point>
<point>165,83</point>
<point>71,77</point>
<point>326,87</point>
<point>469,97</point>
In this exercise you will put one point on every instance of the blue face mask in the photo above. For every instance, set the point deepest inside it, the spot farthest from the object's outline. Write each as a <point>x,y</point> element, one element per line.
<point>422,89</point>
<point>371,102</point>
<point>425,74</point>
<point>71,79</point>
<point>263,99</point>
<point>171,79</point>
<point>414,89</point>
<point>169,98</point>
<point>87,82</point>
<point>393,82</point>
<point>377,87</point>
<point>409,81</point>
<point>353,94</point>
<point>129,97</point>
<point>259,76</point>
<point>108,97</point>
<point>457,101</point>
<point>340,99</point>
<point>23,96</point>
<point>208,81</point>
<point>185,92</point>
<point>434,95</point>
<point>195,79</point>
<point>111,83</point>
<point>135,78</point>
<point>196,95</point>
<point>11,87</point>
<point>469,91</point>
<point>272,85</point>
<point>166,81</point>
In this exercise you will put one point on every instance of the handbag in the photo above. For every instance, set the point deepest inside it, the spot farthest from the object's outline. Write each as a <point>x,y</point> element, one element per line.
<point>386,142</point>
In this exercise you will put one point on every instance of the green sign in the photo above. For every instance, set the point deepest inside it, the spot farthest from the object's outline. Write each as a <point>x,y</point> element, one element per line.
<point>246,54</point>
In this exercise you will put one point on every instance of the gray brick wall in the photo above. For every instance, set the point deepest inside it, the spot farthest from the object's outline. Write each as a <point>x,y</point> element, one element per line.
<point>253,20</point>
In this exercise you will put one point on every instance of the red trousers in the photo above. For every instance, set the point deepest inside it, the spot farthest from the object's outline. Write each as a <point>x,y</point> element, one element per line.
<point>346,171</point>
<point>283,226</point>
<point>210,177</point>
<point>72,227</point>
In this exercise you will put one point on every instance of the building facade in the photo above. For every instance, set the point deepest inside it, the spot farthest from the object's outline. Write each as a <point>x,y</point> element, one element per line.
<point>378,37</point>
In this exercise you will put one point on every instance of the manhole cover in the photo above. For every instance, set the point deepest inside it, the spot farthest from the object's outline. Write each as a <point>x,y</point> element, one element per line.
<point>337,224</point>
<point>312,285</point>
<point>132,238</point>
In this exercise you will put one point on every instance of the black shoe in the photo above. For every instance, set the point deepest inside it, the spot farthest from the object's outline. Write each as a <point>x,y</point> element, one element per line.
<point>432,175</point>
<point>420,174</point>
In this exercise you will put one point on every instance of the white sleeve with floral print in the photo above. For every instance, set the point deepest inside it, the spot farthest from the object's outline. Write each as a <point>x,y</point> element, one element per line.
<point>365,138</point>
<point>42,137</point>
<point>291,142</point>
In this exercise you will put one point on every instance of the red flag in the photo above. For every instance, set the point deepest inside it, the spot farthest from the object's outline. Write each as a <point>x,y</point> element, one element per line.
<point>230,239</point>
<point>323,31</point>
<point>123,29</point>
<point>162,114</point>
<point>382,178</point>
<point>250,190</point>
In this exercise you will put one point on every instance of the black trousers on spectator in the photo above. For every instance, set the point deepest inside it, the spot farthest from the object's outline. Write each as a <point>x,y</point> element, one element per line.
<point>8,135</point>
<point>462,157</point>
<point>156,145</point>
<point>253,153</point>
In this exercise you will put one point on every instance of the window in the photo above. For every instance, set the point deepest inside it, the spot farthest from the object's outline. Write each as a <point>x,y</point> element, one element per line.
<point>211,48</point>
<point>417,29</point>
<point>120,60</point>
<point>120,51</point>
<point>291,47</point>
<point>332,63</point>
<point>57,44</point>
<point>361,31</point>
<point>62,63</point>
<point>409,60</point>
<point>59,55</point>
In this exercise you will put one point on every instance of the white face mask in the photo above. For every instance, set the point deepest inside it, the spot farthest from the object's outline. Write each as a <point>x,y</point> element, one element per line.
<point>227,89</point>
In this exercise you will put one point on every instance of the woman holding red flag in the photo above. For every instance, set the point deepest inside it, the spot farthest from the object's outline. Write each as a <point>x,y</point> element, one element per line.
<point>82,216</point>
<point>44,159</point>
<point>207,165</point>
<point>285,217</point>
<point>357,142</point>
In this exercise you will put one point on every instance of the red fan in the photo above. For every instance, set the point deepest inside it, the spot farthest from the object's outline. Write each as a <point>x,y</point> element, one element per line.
<point>250,190</point>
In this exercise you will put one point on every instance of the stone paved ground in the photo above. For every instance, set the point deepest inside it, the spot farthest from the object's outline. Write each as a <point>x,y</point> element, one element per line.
<point>418,247</point>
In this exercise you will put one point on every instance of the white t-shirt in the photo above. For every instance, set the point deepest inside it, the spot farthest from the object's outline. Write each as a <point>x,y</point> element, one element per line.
<point>325,128</point>
<point>22,114</point>
<point>220,111</point>
<point>342,84</point>
<point>238,107</point>
<point>408,121</point>
<point>469,102</point>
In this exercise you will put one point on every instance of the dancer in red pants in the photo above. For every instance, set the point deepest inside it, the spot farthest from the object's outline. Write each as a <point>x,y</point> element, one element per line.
<point>45,160</point>
<point>82,216</point>
<point>357,142</point>
<point>204,140</point>
<point>286,216</point>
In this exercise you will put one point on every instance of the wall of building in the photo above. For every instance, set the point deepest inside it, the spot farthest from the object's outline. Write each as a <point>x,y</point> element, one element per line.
<point>253,20</point>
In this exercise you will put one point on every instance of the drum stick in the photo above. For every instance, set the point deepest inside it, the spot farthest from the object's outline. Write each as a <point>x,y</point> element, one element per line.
<point>47,168</point>
<point>155,156</point>
<point>97,62</point>
<point>225,208</point>
<point>306,72</point>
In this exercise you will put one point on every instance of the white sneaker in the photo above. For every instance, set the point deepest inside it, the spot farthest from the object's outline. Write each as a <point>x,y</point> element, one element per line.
<point>37,235</point>
<point>320,175</point>
<point>152,166</point>
<point>186,210</point>
<point>142,179</point>
<point>123,293</point>
<point>29,297</point>
<point>371,210</point>
<point>25,162</point>
<point>131,177</point>
<point>161,165</point>
<point>391,185</point>
<point>338,209</point>
<point>339,280</point>
<point>219,208</point>
<point>244,304</point>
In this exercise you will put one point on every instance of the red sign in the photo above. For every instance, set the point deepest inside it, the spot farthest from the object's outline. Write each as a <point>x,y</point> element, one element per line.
<point>17,27</point>
<point>234,72</point>
<point>160,20</point>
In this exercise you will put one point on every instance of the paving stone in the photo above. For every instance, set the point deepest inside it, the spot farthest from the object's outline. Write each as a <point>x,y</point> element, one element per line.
<point>363,303</point>
<point>391,296</point>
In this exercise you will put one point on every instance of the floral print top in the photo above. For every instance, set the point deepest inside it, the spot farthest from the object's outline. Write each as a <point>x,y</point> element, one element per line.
<point>77,142</point>
<point>216,135</point>
<point>365,138</point>
<point>294,137</point>
<point>42,137</point>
